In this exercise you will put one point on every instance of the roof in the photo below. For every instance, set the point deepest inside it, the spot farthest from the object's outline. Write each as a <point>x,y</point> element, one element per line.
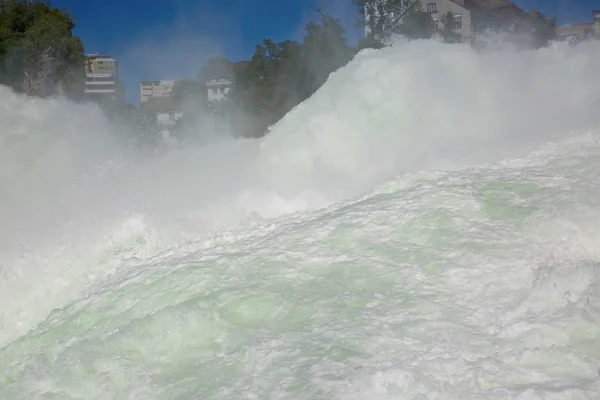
<point>219,82</point>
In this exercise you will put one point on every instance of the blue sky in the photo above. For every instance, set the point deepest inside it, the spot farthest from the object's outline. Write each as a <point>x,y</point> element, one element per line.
<point>163,39</point>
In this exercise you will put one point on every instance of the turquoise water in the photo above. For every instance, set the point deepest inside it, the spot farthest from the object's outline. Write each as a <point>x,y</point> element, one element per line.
<point>474,284</point>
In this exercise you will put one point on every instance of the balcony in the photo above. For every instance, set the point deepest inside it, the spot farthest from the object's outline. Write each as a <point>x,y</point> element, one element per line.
<point>100,82</point>
<point>105,76</point>
<point>92,91</point>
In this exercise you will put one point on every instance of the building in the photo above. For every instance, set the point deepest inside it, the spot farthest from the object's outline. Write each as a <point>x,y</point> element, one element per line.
<point>101,79</point>
<point>218,89</point>
<point>473,18</point>
<point>157,98</point>
<point>461,15</point>
<point>582,31</point>
<point>167,111</point>
<point>219,86</point>
<point>162,88</point>
<point>99,64</point>
<point>167,116</point>
<point>576,32</point>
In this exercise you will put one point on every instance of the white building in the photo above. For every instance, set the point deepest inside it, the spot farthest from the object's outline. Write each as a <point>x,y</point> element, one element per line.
<point>218,89</point>
<point>100,84</point>
<point>167,120</point>
<point>157,96</point>
<point>582,31</point>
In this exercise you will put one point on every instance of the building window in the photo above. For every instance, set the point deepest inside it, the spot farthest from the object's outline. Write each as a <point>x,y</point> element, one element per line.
<point>436,25</point>
<point>457,21</point>
<point>431,8</point>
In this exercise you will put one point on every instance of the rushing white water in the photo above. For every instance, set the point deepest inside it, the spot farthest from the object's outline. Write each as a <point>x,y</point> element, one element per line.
<point>423,227</point>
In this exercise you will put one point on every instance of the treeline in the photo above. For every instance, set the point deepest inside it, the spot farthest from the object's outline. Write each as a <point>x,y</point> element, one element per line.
<point>282,75</point>
<point>40,56</point>
<point>277,78</point>
<point>38,53</point>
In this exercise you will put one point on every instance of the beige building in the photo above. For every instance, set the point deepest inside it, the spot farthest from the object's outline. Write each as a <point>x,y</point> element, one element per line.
<point>583,31</point>
<point>99,64</point>
<point>575,32</point>
<point>162,88</point>
<point>461,16</point>
<point>461,19</point>
<point>101,79</point>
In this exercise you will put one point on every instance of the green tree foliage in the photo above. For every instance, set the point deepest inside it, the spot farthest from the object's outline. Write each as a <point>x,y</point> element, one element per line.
<point>448,32</point>
<point>544,30</point>
<point>189,90</point>
<point>217,68</point>
<point>284,74</point>
<point>38,52</point>
<point>324,50</point>
<point>266,88</point>
<point>385,18</point>
<point>189,97</point>
<point>417,24</point>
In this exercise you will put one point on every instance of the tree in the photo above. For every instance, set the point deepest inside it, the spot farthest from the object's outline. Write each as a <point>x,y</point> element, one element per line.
<point>38,52</point>
<point>189,89</point>
<point>368,42</point>
<point>324,50</point>
<point>416,24</point>
<point>448,31</point>
<point>385,18</point>
<point>544,30</point>
<point>281,75</point>
<point>284,74</point>
<point>217,68</point>
<point>261,91</point>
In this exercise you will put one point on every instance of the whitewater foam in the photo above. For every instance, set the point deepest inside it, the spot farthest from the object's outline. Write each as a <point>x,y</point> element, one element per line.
<point>392,236</point>
<point>422,105</point>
